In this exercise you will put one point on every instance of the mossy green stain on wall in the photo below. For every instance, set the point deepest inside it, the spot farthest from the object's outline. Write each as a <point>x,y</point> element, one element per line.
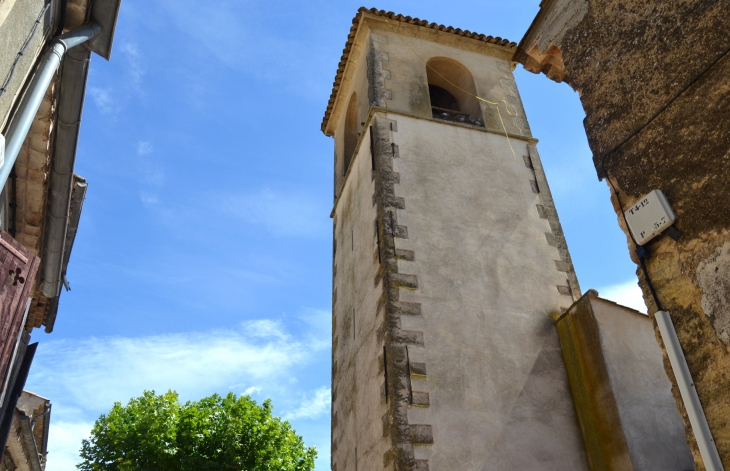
<point>419,102</point>
<point>590,386</point>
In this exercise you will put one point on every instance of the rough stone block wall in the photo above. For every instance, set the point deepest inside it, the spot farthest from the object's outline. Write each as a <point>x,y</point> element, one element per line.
<point>652,78</point>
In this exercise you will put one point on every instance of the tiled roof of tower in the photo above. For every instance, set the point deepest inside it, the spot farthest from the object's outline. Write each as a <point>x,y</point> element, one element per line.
<point>404,19</point>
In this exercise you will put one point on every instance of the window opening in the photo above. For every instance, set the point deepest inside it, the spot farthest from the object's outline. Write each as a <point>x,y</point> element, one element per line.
<point>442,99</point>
<point>351,134</point>
<point>452,92</point>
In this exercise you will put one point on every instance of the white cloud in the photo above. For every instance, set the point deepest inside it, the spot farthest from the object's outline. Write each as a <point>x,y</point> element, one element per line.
<point>149,199</point>
<point>320,322</point>
<point>148,171</point>
<point>103,100</point>
<point>85,377</point>
<point>238,35</point>
<point>117,368</point>
<point>627,294</point>
<point>144,147</point>
<point>151,173</point>
<point>66,441</point>
<point>134,60</point>
<point>313,405</point>
<point>282,213</point>
<point>319,319</point>
<point>110,101</point>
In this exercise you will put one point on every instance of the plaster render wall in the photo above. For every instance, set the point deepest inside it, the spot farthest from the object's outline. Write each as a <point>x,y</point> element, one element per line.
<point>650,420</point>
<point>497,372</point>
<point>387,69</point>
<point>357,84</point>
<point>499,396</point>
<point>358,403</point>
<point>17,19</point>
<point>490,66</point>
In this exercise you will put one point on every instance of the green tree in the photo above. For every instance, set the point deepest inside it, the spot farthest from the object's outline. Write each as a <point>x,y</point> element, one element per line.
<point>157,433</point>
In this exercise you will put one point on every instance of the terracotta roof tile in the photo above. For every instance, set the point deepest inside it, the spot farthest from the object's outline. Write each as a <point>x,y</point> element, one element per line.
<point>404,19</point>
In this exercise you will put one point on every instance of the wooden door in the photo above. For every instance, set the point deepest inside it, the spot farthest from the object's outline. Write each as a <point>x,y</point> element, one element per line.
<point>18,269</point>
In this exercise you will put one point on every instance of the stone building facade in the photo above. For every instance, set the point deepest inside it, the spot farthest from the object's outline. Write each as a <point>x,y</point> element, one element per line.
<point>27,445</point>
<point>450,268</point>
<point>652,78</point>
<point>45,46</point>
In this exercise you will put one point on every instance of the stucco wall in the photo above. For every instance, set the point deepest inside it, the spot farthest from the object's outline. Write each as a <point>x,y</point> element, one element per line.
<point>15,28</point>
<point>358,84</point>
<point>636,62</point>
<point>455,363</point>
<point>357,368</point>
<point>622,395</point>
<point>408,49</point>
<point>650,420</point>
<point>487,281</point>
<point>461,304</point>
<point>387,69</point>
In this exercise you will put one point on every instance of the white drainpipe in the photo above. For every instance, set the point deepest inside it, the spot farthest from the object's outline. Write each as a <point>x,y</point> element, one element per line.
<point>33,97</point>
<point>708,450</point>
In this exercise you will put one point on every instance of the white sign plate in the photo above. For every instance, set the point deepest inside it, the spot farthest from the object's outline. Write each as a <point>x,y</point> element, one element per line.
<point>649,216</point>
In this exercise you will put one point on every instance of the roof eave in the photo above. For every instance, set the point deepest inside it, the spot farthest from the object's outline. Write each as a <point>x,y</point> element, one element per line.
<point>104,12</point>
<point>544,5</point>
<point>375,14</point>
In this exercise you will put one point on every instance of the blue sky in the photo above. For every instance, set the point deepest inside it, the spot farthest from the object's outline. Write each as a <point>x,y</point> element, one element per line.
<point>203,258</point>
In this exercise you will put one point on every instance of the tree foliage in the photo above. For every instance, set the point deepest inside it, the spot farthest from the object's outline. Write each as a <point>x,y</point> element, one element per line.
<point>157,433</point>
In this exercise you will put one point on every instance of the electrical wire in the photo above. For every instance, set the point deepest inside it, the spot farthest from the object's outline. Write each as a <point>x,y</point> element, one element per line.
<point>22,50</point>
<point>495,103</point>
<point>640,250</point>
<point>663,108</point>
<point>61,18</point>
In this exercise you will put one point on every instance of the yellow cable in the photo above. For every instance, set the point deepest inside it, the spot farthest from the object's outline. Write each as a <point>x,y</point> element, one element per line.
<point>495,103</point>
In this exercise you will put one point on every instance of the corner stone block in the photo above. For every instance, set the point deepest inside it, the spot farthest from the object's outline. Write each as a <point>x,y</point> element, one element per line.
<point>408,309</point>
<point>421,434</point>
<point>421,399</point>
<point>409,337</point>
<point>418,369</point>
<point>404,280</point>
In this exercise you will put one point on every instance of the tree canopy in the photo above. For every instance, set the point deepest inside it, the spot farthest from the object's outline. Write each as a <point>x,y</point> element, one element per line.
<point>157,433</point>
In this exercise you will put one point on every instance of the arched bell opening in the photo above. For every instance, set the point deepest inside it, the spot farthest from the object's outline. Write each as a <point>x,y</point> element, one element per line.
<point>452,92</point>
<point>350,131</point>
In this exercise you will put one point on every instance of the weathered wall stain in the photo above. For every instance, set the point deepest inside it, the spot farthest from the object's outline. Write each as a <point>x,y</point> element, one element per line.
<point>631,61</point>
<point>713,277</point>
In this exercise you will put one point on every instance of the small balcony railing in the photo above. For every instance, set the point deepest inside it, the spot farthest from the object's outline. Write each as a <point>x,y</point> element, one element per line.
<point>455,116</point>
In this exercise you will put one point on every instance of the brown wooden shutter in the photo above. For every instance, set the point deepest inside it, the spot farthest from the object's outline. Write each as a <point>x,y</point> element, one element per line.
<point>18,269</point>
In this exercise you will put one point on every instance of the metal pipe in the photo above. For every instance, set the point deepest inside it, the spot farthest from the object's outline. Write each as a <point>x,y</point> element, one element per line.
<point>46,432</point>
<point>78,193</point>
<point>61,178</point>
<point>697,419</point>
<point>20,125</point>
<point>26,429</point>
<point>42,414</point>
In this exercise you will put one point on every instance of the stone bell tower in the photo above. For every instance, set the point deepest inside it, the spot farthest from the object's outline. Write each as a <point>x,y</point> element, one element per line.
<point>448,260</point>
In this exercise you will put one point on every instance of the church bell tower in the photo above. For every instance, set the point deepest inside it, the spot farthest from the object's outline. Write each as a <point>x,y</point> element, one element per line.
<point>448,260</point>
